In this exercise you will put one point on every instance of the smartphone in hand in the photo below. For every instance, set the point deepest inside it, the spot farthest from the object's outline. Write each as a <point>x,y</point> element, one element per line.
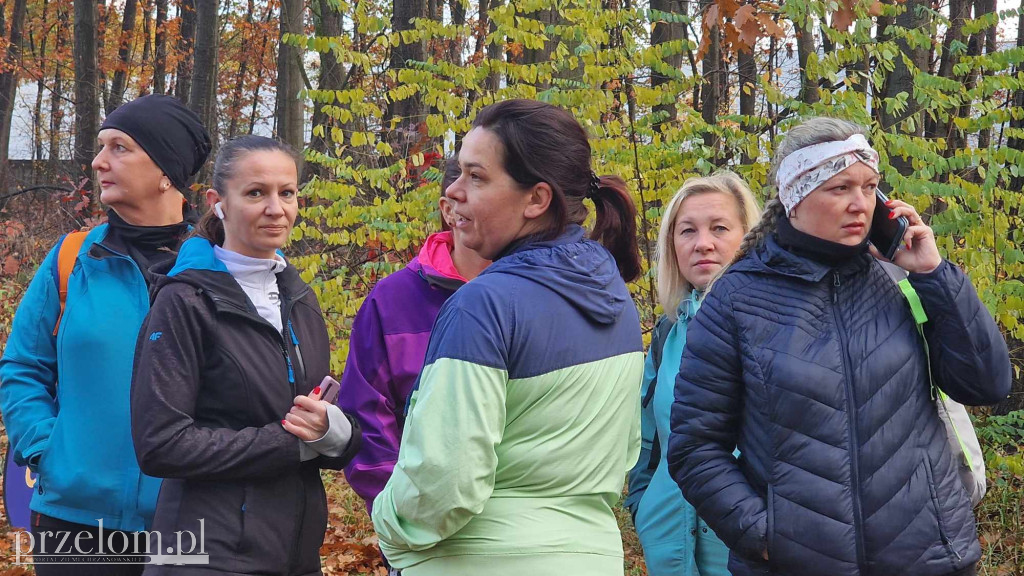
<point>329,388</point>
<point>886,234</point>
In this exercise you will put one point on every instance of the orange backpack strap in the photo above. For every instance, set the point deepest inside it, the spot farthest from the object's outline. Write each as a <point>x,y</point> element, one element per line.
<point>67,254</point>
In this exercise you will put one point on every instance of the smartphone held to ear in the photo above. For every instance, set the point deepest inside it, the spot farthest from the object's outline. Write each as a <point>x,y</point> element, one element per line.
<point>329,388</point>
<point>886,233</point>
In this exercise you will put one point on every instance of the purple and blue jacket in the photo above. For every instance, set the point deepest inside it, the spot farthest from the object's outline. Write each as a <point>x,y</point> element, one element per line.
<point>386,352</point>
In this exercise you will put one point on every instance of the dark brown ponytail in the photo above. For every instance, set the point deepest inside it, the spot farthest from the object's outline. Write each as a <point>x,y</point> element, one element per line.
<point>615,225</point>
<point>211,228</point>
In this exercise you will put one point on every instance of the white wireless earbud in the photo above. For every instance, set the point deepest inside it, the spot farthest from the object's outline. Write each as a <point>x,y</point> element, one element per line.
<point>218,210</point>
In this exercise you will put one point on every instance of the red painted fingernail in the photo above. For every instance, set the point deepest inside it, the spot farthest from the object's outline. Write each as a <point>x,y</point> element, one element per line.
<point>316,390</point>
<point>889,202</point>
<point>892,215</point>
<point>283,422</point>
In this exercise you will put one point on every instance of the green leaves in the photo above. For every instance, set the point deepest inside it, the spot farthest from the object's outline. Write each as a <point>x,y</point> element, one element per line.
<point>377,199</point>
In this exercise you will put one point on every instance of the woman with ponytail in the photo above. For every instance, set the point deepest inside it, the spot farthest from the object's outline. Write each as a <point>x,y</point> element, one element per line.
<point>526,417</point>
<point>806,357</point>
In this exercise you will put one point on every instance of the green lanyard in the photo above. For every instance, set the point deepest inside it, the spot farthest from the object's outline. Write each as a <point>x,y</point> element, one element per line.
<point>920,317</point>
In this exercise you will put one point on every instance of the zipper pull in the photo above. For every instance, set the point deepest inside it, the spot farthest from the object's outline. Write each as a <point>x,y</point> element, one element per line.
<point>288,360</point>
<point>835,287</point>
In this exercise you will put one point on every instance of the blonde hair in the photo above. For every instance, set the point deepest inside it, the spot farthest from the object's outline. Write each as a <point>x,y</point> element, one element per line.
<point>808,133</point>
<point>672,286</point>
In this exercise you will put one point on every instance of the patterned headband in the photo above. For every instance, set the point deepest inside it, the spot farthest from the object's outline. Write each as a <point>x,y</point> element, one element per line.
<point>804,170</point>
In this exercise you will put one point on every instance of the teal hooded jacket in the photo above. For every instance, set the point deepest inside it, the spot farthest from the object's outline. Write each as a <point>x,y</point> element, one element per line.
<point>668,526</point>
<point>65,398</point>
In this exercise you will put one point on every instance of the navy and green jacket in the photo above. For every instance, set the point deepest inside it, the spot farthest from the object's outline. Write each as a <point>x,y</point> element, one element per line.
<point>526,418</point>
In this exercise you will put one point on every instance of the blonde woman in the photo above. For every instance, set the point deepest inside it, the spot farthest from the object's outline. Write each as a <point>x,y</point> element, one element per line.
<point>701,229</point>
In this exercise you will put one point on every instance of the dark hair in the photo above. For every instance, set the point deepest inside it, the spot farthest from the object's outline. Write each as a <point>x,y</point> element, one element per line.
<point>449,176</point>
<point>210,226</point>
<point>451,173</point>
<point>544,143</point>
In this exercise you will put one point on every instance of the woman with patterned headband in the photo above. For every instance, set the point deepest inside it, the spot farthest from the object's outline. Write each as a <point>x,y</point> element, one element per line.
<point>806,356</point>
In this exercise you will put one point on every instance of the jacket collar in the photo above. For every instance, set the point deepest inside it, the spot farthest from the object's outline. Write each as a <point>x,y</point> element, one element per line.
<point>435,265</point>
<point>573,233</point>
<point>688,306</point>
<point>770,258</point>
<point>198,265</point>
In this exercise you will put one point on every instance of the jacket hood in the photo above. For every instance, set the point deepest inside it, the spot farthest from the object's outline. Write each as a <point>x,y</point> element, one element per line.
<point>581,271</point>
<point>434,262</point>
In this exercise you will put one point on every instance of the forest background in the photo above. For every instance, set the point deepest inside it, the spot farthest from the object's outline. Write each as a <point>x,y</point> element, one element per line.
<point>378,92</point>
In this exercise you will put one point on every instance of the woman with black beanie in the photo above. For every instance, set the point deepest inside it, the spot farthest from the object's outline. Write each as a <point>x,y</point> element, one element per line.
<point>66,370</point>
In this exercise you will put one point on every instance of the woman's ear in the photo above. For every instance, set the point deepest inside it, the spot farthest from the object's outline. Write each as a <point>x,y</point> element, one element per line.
<point>212,197</point>
<point>538,201</point>
<point>446,211</point>
<point>165,183</point>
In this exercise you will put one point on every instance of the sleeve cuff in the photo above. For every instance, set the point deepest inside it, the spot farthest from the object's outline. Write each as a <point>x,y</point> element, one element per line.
<point>333,443</point>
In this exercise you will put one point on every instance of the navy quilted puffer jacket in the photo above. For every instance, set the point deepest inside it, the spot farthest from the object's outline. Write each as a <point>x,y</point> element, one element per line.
<point>819,377</point>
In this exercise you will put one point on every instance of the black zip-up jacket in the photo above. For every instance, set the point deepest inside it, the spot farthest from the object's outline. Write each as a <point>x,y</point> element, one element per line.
<point>212,382</point>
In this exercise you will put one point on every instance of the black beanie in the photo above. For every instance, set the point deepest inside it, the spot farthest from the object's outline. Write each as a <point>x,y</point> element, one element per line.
<point>169,132</point>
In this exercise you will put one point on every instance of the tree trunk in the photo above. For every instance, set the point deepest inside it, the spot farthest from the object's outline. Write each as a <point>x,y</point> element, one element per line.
<point>915,16</point>
<point>902,77</point>
<point>714,77</point>
<point>988,7</point>
<point>488,27</point>
<point>9,81</point>
<point>186,50</point>
<point>290,108</point>
<point>160,50</point>
<point>235,109</point>
<point>409,110</point>
<point>120,79</point>
<point>87,106</point>
<point>805,47</point>
<point>205,62</point>
<point>106,15</point>
<point>959,11</point>
<point>328,24</point>
<point>546,16</point>
<point>147,47</point>
<point>457,46</point>
<point>1015,142</point>
<point>663,33</point>
<point>748,95</point>
<point>259,72</point>
<point>1016,184</point>
<point>37,111</point>
<point>857,71</point>
<point>57,95</point>
<point>202,99</point>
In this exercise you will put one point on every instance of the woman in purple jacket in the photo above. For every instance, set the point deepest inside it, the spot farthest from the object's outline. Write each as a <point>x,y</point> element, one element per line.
<point>389,342</point>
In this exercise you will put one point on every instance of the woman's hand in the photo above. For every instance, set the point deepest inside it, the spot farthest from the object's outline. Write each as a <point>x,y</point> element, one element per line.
<point>919,253</point>
<point>307,419</point>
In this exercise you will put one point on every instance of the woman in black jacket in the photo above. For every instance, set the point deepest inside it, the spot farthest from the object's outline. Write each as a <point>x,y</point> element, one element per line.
<point>806,357</point>
<point>225,395</point>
